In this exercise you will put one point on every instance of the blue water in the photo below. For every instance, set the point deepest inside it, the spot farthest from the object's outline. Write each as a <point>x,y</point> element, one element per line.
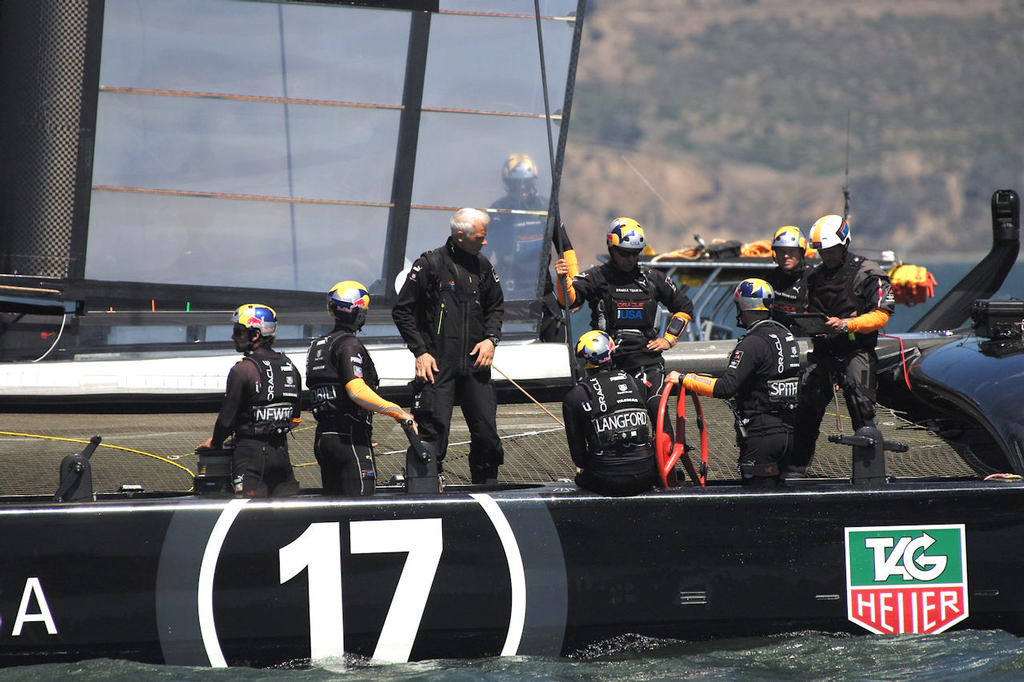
<point>969,655</point>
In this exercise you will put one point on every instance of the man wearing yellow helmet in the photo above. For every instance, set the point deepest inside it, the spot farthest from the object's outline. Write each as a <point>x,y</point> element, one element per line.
<point>855,296</point>
<point>624,303</point>
<point>342,381</point>
<point>764,377</point>
<point>607,425</point>
<point>261,405</point>
<point>516,243</point>
<point>789,279</point>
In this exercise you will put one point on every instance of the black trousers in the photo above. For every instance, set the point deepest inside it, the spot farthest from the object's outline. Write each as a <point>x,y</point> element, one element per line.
<point>347,464</point>
<point>762,456</point>
<point>855,374</point>
<point>611,483</point>
<point>475,394</point>
<point>262,468</point>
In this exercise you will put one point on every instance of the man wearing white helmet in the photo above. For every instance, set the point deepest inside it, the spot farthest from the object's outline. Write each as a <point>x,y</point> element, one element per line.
<point>342,381</point>
<point>854,295</point>
<point>624,302</point>
<point>607,426</point>
<point>764,378</point>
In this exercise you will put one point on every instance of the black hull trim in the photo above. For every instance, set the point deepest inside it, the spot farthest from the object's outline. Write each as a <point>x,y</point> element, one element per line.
<point>476,572</point>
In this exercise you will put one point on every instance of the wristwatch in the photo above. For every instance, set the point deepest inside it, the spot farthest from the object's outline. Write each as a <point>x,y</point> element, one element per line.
<point>494,340</point>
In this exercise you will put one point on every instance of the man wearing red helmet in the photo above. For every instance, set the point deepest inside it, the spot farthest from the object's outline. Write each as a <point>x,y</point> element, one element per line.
<point>261,405</point>
<point>343,382</point>
<point>854,295</point>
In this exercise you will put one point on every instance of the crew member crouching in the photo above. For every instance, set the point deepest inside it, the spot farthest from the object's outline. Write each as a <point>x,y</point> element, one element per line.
<point>607,424</point>
<point>764,378</point>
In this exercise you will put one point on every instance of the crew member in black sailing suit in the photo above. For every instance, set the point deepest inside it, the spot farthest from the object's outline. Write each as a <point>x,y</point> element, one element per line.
<point>624,303</point>
<point>764,377</point>
<point>449,313</point>
<point>343,383</point>
<point>789,279</point>
<point>261,405</point>
<point>516,244</point>
<point>856,298</point>
<point>607,425</point>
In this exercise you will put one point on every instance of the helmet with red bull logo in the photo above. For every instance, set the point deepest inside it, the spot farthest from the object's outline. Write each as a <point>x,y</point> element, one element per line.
<point>256,316</point>
<point>626,234</point>
<point>595,348</point>
<point>348,302</point>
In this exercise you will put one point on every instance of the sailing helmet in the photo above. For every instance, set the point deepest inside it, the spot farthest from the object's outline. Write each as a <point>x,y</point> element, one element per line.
<point>753,294</point>
<point>519,175</point>
<point>626,234</point>
<point>595,348</point>
<point>829,231</point>
<point>348,302</point>
<point>256,316</point>
<point>519,167</point>
<point>789,237</point>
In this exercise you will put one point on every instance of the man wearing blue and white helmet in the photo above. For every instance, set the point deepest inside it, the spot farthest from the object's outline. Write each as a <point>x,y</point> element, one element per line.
<point>343,382</point>
<point>855,296</point>
<point>607,425</point>
<point>261,405</point>
<point>624,303</point>
<point>764,377</point>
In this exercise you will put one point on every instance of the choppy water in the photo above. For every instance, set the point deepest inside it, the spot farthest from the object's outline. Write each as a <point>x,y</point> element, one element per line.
<point>968,655</point>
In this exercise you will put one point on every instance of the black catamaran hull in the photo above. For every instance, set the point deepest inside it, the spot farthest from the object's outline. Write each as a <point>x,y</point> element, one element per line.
<point>546,570</point>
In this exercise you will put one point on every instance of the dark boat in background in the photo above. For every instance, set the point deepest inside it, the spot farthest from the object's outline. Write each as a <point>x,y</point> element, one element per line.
<point>511,569</point>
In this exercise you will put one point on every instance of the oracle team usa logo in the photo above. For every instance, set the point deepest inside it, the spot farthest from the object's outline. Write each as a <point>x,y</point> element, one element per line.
<point>906,579</point>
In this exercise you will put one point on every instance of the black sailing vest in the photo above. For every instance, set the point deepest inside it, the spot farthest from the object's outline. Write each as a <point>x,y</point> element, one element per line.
<point>627,310</point>
<point>775,393</point>
<point>323,377</point>
<point>618,418</point>
<point>277,398</point>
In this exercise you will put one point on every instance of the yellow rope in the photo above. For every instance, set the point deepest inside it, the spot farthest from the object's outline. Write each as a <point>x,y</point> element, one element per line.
<point>102,445</point>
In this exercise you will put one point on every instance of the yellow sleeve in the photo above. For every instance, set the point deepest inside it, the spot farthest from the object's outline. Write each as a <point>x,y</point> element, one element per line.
<point>364,396</point>
<point>868,322</point>
<point>700,384</point>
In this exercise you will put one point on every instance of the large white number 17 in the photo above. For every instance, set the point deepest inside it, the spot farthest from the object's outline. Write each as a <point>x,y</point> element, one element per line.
<point>318,549</point>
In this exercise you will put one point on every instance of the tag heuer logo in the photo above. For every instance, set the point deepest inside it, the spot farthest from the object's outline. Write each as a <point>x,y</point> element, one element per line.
<point>906,579</point>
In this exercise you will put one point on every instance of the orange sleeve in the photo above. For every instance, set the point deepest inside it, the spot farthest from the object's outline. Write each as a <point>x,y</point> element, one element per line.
<point>364,396</point>
<point>700,384</point>
<point>674,329</point>
<point>562,288</point>
<point>868,322</point>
